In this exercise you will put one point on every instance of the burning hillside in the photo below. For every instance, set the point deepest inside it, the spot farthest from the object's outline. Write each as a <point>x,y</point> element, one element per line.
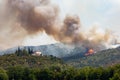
<point>23,18</point>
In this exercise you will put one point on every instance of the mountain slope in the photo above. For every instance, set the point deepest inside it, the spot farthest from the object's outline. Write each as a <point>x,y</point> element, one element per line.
<point>103,58</point>
<point>74,55</point>
<point>58,49</point>
<point>27,60</point>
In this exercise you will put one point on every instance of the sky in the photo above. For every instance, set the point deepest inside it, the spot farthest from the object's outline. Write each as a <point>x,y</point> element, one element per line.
<point>104,14</point>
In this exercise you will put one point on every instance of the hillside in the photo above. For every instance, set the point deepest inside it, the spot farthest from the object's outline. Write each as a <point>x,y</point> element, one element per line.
<point>103,58</point>
<point>74,55</point>
<point>24,66</point>
<point>27,60</point>
<point>58,49</point>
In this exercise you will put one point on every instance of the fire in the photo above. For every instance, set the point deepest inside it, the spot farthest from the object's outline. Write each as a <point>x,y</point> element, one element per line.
<point>89,52</point>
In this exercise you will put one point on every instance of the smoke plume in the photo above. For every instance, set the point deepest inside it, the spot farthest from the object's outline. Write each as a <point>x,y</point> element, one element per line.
<point>21,18</point>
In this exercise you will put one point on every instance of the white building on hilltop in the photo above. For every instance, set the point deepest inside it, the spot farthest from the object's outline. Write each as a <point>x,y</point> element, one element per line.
<point>37,53</point>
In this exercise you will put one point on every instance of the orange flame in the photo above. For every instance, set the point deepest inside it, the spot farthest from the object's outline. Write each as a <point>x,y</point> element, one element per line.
<point>90,52</point>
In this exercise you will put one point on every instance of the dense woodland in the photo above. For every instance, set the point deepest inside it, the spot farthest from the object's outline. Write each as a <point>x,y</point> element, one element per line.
<point>23,66</point>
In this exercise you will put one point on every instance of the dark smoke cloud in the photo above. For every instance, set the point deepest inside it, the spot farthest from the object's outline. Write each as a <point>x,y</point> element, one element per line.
<point>27,17</point>
<point>70,30</point>
<point>33,16</point>
<point>22,18</point>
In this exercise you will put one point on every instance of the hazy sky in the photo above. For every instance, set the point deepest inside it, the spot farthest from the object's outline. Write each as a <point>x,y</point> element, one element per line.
<point>103,13</point>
